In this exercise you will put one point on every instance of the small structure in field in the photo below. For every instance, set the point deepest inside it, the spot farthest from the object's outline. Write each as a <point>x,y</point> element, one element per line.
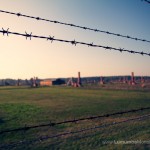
<point>79,80</point>
<point>71,82</point>
<point>18,82</point>
<point>75,82</point>
<point>125,80</point>
<point>50,82</point>
<point>142,80</point>
<point>34,82</point>
<point>101,80</point>
<point>132,79</point>
<point>46,83</point>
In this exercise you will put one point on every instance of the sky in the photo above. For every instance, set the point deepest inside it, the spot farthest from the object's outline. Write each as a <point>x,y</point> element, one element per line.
<point>21,58</point>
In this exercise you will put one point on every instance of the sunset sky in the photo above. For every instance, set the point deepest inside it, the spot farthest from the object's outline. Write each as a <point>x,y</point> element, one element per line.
<point>21,58</point>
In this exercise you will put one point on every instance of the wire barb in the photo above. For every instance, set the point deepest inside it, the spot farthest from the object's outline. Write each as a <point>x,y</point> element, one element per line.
<point>51,124</point>
<point>19,14</point>
<point>90,44</point>
<point>132,52</point>
<point>5,31</point>
<point>37,18</point>
<point>74,42</point>
<point>28,35</point>
<point>107,47</point>
<point>121,50</point>
<point>51,38</point>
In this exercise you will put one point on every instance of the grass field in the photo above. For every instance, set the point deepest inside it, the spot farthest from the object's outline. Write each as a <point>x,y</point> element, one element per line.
<point>24,106</point>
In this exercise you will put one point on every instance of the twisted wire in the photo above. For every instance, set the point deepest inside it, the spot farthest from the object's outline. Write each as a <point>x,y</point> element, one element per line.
<point>51,124</point>
<point>76,26</point>
<point>73,42</point>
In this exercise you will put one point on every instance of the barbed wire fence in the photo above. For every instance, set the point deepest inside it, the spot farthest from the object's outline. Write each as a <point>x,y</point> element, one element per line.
<point>73,42</point>
<point>44,138</point>
<point>76,26</point>
<point>51,124</point>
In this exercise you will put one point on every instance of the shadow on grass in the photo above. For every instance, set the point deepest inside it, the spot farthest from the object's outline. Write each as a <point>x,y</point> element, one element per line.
<point>15,88</point>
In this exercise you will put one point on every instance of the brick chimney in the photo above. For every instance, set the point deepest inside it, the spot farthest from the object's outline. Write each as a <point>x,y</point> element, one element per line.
<point>132,79</point>
<point>79,79</point>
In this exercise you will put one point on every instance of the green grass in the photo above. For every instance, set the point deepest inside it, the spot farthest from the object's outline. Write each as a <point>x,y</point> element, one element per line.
<point>20,107</point>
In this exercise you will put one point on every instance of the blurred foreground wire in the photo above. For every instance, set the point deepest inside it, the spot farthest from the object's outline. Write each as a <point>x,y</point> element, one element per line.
<point>43,138</point>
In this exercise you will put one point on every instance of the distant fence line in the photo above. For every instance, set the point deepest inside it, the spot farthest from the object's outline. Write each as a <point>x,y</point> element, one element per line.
<point>73,42</point>
<point>43,138</point>
<point>51,124</point>
<point>76,26</point>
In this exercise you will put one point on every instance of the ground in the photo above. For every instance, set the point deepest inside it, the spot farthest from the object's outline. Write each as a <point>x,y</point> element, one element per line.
<point>25,106</point>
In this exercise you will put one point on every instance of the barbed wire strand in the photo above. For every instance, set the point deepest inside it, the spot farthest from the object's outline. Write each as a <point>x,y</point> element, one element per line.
<point>43,138</point>
<point>76,26</point>
<point>51,124</point>
<point>88,135</point>
<point>85,135</point>
<point>73,42</point>
<point>146,1</point>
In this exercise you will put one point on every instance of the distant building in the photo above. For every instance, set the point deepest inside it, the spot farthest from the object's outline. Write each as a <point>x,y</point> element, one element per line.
<point>46,83</point>
<point>50,82</point>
